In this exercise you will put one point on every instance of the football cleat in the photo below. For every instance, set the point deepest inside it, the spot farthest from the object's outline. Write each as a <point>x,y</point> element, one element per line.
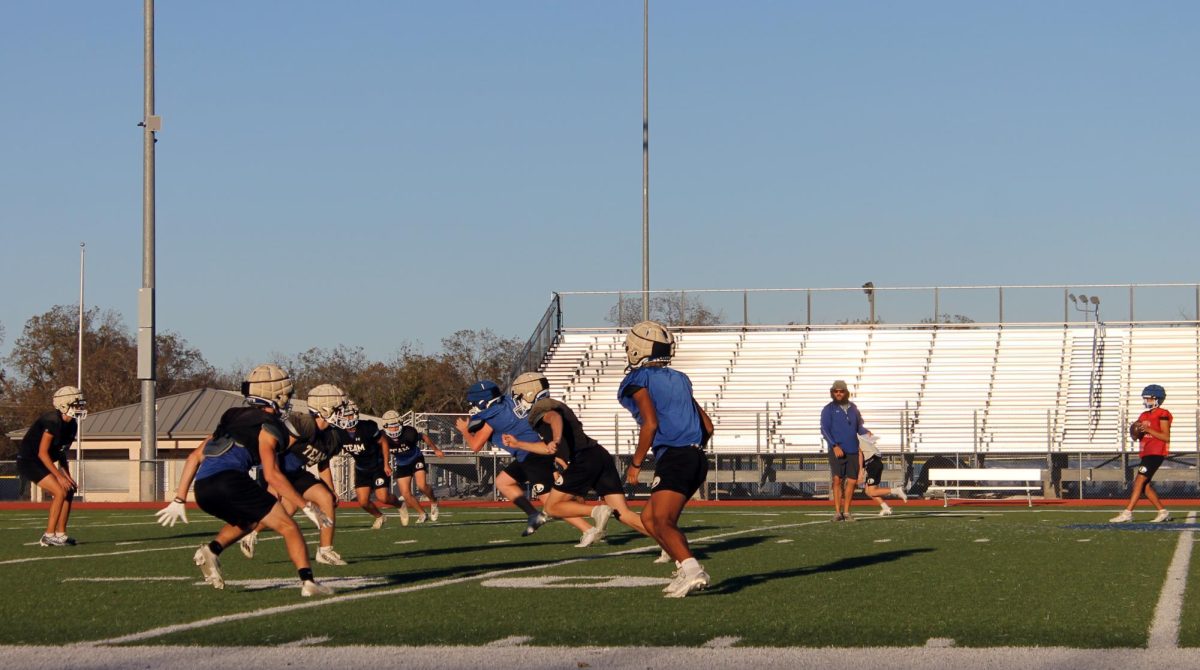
<point>899,493</point>
<point>328,556</point>
<point>247,544</point>
<point>403,512</point>
<point>433,512</point>
<point>1124,517</point>
<point>535,521</point>
<point>67,540</point>
<point>675,576</point>
<point>847,517</point>
<point>885,510</point>
<point>1162,517</point>
<point>210,566</point>
<point>601,514</point>
<point>379,521</point>
<point>685,584</point>
<point>589,537</point>
<point>314,588</point>
<point>663,557</point>
<point>51,541</point>
<point>421,517</point>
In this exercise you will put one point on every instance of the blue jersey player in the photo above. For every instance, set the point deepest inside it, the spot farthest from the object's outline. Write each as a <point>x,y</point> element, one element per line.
<point>493,415</point>
<point>676,428</point>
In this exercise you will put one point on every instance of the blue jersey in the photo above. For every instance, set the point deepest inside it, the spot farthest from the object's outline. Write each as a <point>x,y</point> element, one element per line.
<point>502,417</point>
<point>671,391</point>
<point>243,425</point>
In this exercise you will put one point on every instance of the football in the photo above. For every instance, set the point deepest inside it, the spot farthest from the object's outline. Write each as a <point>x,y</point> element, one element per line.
<point>1136,430</point>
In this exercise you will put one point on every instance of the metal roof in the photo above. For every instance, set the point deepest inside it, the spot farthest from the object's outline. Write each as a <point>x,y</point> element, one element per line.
<point>185,415</point>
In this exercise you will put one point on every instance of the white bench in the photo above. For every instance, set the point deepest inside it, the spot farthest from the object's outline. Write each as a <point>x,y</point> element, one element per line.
<point>945,480</point>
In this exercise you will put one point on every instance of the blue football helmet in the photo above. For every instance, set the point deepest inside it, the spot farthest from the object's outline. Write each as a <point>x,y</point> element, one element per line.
<point>1158,393</point>
<point>482,394</point>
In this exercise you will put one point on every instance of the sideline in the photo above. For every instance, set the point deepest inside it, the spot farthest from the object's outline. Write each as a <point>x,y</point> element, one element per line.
<point>1164,631</point>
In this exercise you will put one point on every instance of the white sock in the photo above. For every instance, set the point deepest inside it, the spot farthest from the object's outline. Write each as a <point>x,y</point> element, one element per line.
<point>60,535</point>
<point>324,548</point>
<point>691,566</point>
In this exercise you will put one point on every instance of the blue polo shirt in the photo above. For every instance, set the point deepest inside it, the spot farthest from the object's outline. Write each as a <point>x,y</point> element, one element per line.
<point>842,427</point>
<point>671,391</point>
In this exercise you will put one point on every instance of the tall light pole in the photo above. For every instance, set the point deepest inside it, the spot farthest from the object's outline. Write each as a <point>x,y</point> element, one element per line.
<point>645,160</point>
<point>145,343</point>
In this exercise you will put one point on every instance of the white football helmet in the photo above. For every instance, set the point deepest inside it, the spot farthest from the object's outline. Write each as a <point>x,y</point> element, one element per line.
<point>649,342</point>
<point>328,402</point>
<point>70,401</point>
<point>527,389</point>
<point>268,385</point>
<point>391,423</point>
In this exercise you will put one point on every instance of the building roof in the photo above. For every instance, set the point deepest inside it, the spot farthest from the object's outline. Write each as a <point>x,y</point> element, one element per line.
<point>181,416</point>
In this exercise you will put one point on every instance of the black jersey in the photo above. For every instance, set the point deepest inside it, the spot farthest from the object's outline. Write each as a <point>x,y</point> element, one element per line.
<point>243,424</point>
<point>313,445</point>
<point>406,448</point>
<point>62,436</point>
<point>363,444</point>
<point>574,440</point>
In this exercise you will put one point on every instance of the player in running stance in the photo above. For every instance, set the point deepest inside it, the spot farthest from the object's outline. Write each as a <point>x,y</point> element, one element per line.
<point>870,472</point>
<point>318,440</point>
<point>246,437</point>
<point>404,462</point>
<point>677,429</point>
<point>590,466</point>
<point>42,459</point>
<point>1152,430</point>
<point>365,443</point>
<point>493,416</point>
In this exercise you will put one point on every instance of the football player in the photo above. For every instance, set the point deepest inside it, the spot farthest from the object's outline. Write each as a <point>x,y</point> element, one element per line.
<point>870,472</point>
<point>493,416</point>
<point>42,459</point>
<point>590,466</point>
<point>1153,432</point>
<point>404,462</point>
<point>317,441</point>
<point>365,443</point>
<point>677,429</point>
<point>246,437</point>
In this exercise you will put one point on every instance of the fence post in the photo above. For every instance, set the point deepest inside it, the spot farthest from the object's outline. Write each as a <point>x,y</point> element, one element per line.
<point>808,299</point>
<point>745,308</point>
<point>936,305</point>
<point>1001,305</point>
<point>620,310</point>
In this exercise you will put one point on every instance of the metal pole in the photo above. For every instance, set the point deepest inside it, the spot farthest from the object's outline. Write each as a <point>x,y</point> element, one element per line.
<point>745,309</point>
<point>936,306</point>
<point>150,124</point>
<point>1130,305</point>
<point>79,371</point>
<point>1001,304</point>
<point>645,160</point>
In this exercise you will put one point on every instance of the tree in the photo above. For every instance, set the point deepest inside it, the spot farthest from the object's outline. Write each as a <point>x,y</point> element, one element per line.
<point>479,354</point>
<point>671,310</point>
<point>949,320</point>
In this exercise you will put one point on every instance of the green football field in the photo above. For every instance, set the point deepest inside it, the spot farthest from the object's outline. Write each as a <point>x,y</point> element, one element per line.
<point>782,577</point>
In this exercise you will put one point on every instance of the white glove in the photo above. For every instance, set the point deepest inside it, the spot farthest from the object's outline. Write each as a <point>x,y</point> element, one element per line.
<point>175,511</point>
<point>315,515</point>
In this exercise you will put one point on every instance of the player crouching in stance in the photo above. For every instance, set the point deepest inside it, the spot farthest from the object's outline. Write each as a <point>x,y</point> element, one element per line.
<point>1153,431</point>
<point>404,462</point>
<point>591,467</point>
<point>676,428</point>
<point>246,437</point>
<point>42,459</point>
<point>493,416</point>
<point>317,441</point>
<point>870,473</point>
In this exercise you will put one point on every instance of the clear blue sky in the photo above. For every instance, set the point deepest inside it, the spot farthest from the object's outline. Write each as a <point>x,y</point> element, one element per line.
<point>372,172</point>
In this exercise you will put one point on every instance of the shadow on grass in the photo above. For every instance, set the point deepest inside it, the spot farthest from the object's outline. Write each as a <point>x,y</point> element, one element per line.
<point>735,584</point>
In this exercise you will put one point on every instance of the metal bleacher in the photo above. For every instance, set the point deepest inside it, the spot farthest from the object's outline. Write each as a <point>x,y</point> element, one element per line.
<point>953,389</point>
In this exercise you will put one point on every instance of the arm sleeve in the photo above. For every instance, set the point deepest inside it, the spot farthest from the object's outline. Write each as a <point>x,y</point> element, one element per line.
<point>827,426</point>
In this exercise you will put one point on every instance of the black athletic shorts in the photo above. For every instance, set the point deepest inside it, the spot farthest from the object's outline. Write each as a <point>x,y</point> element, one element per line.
<point>874,468</point>
<point>1149,466</point>
<point>845,467</point>
<point>32,469</point>
<point>537,470</point>
<point>302,480</point>
<point>375,479</point>
<point>590,470</point>
<point>410,469</point>
<point>233,497</point>
<point>680,469</point>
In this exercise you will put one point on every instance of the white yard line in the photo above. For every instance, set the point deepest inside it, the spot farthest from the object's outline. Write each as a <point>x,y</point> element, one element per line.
<point>62,557</point>
<point>333,600</point>
<point>1164,631</point>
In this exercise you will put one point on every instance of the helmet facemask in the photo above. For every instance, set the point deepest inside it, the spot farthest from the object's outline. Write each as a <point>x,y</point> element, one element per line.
<point>70,401</point>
